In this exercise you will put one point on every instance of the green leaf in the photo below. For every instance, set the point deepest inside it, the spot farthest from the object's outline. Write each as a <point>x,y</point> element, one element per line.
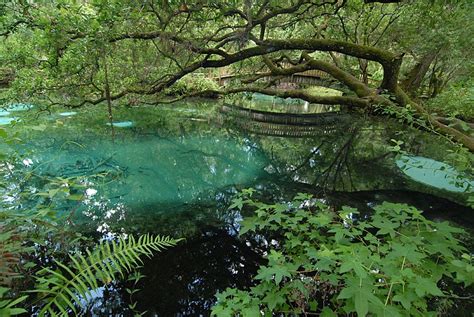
<point>276,272</point>
<point>361,302</point>
<point>405,250</point>
<point>16,311</point>
<point>248,224</point>
<point>313,305</point>
<point>386,226</point>
<point>322,219</point>
<point>16,301</point>
<point>328,312</point>
<point>425,286</point>
<point>75,197</point>
<point>353,265</point>
<point>303,196</point>
<point>273,300</point>
<point>221,311</point>
<point>103,263</point>
<point>237,203</point>
<point>406,298</point>
<point>253,311</point>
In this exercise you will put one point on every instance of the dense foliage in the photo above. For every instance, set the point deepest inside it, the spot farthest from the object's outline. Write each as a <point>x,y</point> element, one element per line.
<point>88,52</point>
<point>394,262</point>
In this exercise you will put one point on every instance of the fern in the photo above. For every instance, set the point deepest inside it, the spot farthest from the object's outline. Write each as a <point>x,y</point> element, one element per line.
<point>66,289</point>
<point>10,248</point>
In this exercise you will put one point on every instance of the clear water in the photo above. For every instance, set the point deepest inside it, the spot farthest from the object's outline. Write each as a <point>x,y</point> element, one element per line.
<point>122,124</point>
<point>7,120</point>
<point>175,169</point>
<point>435,173</point>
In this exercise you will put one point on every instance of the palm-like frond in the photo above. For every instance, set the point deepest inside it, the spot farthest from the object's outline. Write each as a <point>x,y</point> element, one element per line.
<point>65,289</point>
<point>10,249</point>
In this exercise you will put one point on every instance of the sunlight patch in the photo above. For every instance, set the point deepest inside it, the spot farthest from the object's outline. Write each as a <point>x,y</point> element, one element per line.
<point>68,114</point>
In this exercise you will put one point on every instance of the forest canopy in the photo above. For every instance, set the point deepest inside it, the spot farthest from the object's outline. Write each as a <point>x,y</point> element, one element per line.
<point>385,53</point>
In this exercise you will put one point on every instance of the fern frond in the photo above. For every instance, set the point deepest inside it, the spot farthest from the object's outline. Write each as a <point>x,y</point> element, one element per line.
<point>68,288</point>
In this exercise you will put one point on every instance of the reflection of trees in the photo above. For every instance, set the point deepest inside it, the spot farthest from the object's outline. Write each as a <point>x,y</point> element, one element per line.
<point>306,159</point>
<point>356,157</point>
<point>339,169</point>
<point>184,280</point>
<point>334,161</point>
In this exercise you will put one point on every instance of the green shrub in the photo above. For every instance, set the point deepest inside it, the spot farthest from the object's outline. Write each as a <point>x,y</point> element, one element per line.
<point>326,263</point>
<point>68,289</point>
<point>191,83</point>
<point>456,101</point>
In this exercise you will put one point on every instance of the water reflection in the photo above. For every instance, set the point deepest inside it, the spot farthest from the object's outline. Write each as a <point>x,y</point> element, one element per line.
<point>174,172</point>
<point>183,281</point>
<point>287,105</point>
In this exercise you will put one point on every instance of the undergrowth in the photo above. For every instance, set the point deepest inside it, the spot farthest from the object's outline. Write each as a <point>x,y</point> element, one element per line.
<point>323,262</point>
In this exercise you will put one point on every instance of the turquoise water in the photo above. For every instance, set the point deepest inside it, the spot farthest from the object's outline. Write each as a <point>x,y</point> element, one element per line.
<point>6,111</point>
<point>175,169</point>
<point>157,167</point>
<point>435,173</point>
<point>19,107</point>
<point>123,124</point>
<point>165,158</point>
<point>7,120</point>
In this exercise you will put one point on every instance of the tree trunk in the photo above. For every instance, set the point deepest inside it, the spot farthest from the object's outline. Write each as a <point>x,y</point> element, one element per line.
<point>413,81</point>
<point>363,65</point>
<point>435,84</point>
<point>109,99</point>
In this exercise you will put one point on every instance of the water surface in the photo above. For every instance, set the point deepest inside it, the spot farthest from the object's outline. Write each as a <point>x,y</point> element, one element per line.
<point>174,169</point>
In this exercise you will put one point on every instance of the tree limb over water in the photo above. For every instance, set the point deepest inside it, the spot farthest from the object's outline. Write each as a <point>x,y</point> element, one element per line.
<point>154,44</point>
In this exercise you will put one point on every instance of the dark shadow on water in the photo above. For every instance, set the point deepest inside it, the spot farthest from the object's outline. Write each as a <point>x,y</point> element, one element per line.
<point>434,208</point>
<point>183,281</point>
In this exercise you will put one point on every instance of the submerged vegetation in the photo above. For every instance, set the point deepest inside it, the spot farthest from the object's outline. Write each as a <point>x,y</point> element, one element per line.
<point>130,127</point>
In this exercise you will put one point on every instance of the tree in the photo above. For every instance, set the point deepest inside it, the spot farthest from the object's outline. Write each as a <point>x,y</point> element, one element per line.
<point>150,45</point>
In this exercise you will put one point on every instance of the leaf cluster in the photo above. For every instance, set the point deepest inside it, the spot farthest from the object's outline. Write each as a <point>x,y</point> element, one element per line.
<point>393,263</point>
